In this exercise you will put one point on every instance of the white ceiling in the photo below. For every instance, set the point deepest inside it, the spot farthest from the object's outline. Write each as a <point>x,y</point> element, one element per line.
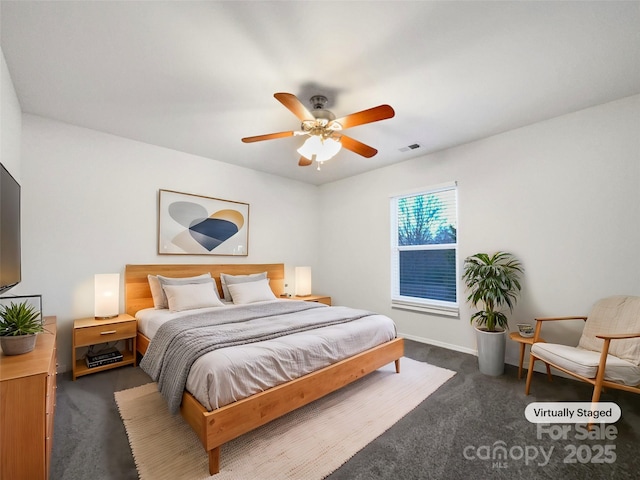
<point>199,76</point>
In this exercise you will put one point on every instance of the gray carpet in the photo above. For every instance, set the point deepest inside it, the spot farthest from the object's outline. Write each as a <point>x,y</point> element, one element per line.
<point>470,413</point>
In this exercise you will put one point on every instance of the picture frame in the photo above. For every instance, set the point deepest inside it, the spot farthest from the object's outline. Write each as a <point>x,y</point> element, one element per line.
<point>191,224</point>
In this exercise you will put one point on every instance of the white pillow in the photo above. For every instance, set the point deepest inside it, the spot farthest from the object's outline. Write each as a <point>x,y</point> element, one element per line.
<point>250,292</point>
<point>156,284</point>
<point>192,296</point>
<point>226,280</point>
<point>159,298</point>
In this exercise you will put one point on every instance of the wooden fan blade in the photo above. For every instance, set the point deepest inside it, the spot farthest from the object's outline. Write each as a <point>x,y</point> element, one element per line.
<point>375,114</point>
<point>269,136</point>
<point>357,147</point>
<point>304,161</point>
<point>294,105</point>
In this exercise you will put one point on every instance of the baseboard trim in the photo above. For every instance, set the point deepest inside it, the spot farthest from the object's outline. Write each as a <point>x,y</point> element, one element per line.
<point>437,343</point>
<point>539,367</point>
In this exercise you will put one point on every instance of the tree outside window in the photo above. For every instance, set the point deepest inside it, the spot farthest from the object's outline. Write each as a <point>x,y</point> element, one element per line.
<point>424,250</point>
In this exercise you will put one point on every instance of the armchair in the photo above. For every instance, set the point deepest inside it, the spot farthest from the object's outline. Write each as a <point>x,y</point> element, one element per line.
<point>608,353</point>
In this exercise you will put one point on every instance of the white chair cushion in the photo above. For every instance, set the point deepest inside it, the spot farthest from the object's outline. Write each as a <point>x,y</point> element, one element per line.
<point>618,314</point>
<point>585,362</point>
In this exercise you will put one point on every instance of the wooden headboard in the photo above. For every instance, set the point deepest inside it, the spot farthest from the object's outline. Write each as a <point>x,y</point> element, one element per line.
<point>137,293</point>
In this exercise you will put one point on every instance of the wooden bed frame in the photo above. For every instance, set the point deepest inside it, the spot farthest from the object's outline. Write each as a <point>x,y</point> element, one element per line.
<point>226,423</point>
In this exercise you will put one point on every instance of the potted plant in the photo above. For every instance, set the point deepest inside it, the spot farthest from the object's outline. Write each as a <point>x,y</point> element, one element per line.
<point>493,282</point>
<point>19,324</point>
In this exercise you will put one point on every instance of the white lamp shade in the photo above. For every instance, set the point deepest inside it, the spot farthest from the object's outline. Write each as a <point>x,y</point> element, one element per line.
<point>107,295</point>
<point>303,281</point>
<point>314,148</point>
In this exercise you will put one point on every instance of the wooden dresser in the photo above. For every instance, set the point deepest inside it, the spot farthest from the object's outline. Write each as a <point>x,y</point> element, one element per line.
<point>27,405</point>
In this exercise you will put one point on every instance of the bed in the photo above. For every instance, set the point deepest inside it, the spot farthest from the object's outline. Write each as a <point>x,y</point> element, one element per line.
<point>216,424</point>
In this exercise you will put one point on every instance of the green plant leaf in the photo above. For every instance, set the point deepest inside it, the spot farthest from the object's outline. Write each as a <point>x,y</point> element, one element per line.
<point>493,282</point>
<point>19,319</point>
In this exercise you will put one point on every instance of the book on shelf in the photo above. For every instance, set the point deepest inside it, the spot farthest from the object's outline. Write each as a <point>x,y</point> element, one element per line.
<point>103,357</point>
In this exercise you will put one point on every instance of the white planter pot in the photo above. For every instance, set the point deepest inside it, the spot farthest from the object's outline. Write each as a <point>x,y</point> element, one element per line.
<point>17,345</point>
<point>491,347</point>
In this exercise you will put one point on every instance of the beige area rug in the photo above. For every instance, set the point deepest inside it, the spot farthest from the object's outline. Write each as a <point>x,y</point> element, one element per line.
<point>308,443</point>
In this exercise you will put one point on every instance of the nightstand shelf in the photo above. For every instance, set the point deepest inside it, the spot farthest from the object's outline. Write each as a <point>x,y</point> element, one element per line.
<point>90,331</point>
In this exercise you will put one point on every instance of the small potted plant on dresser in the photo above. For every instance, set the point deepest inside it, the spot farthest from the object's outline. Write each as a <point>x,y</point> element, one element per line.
<point>493,282</point>
<point>19,324</point>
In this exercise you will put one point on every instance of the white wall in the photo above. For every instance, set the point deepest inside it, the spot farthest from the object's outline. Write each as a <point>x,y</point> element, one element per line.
<point>10,122</point>
<point>90,206</point>
<point>563,195</point>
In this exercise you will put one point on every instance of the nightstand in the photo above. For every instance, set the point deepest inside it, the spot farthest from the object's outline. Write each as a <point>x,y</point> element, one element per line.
<point>314,298</point>
<point>90,331</point>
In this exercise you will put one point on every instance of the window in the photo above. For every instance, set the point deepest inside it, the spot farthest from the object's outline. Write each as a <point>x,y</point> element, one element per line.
<point>424,250</point>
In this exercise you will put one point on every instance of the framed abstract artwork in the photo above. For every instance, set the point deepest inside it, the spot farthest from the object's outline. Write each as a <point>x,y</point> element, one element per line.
<point>196,225</point>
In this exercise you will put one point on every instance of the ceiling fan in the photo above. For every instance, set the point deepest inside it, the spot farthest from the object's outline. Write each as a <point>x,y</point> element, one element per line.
<point>324,129</point>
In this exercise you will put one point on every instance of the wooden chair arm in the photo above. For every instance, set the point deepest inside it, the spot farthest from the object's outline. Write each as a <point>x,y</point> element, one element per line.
<point>546,319</point>
<point>618,336</point>
<point>605,352</point>
<point>539,320</point>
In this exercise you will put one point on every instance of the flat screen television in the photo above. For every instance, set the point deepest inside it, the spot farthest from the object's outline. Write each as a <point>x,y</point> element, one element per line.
<point>10,255</point>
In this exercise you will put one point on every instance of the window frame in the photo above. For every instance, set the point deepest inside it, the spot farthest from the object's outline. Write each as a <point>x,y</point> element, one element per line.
<point>433,306</point>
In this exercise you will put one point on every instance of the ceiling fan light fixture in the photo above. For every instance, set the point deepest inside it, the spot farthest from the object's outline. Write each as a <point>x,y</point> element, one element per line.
<point>324,130</point>
<point>318,149</point>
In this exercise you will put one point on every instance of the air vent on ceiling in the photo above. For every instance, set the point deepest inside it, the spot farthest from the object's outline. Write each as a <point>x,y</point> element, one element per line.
<point>408,148</point>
